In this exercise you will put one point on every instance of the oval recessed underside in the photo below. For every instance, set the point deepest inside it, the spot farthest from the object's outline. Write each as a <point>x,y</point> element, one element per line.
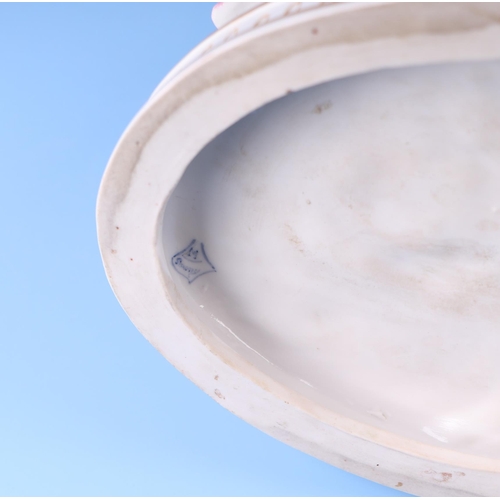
<point>348,241</point>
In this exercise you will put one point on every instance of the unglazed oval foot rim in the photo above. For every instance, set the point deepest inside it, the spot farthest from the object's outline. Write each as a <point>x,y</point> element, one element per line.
<point>304,219</point>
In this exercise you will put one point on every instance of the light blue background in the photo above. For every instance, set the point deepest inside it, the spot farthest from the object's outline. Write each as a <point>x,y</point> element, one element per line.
<point>88,406</point>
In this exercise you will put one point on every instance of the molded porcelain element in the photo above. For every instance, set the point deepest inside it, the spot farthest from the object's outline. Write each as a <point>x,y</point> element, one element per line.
<point>224,13</point>
<point>304,219</point>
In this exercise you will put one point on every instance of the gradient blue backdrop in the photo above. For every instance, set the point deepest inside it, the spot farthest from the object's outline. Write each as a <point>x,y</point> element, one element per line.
<point>88,407</point>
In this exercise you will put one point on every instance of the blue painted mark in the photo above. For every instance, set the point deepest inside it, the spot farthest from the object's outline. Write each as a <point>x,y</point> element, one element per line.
<point>192,262</point>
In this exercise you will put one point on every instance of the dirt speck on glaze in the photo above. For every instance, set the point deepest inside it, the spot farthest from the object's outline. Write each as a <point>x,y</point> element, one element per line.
<point>219,394</point>
<point>319,108</point>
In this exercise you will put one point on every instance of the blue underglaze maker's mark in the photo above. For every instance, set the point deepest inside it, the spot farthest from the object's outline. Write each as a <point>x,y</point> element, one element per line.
<point>192,262</point>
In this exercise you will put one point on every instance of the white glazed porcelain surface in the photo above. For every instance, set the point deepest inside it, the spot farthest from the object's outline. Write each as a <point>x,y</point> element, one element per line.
<point>354,234</point>
<point>339,298</point>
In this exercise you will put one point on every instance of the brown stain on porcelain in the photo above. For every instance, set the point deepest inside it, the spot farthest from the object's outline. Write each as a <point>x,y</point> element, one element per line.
<point>442,477</point>
<point>472,289</point>
<point>488,225</point>
<point>294,238</point>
